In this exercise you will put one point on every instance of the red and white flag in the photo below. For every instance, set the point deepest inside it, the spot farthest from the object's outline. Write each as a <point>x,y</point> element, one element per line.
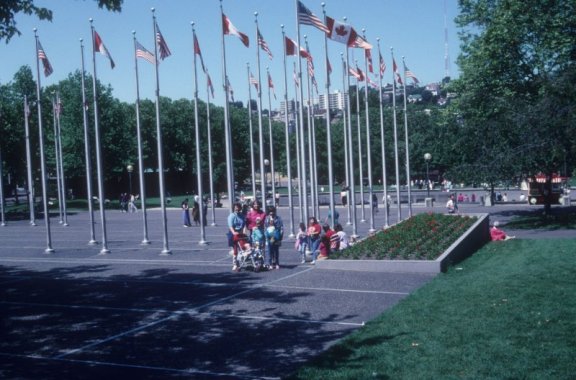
<point>271,85</point>
<point>101,48</point>
<point>396,73</point>
<point>358,74</point>
<point>292,47</point>
<point>229,28</point>
<point>198,52</point>
<point>209,83</point>
<point>368,56</point>
<point>345,34</point>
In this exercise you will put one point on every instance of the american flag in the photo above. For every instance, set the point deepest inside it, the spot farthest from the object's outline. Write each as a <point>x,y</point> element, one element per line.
<point>254,82</point>
<point>410,74</point>
<point>306,17</point>
<point>382,65</point>
<point>263,43</point>
<point>271,85</point>
<point>163,48</point>
<point>141,52</point>
<point>45,62</point>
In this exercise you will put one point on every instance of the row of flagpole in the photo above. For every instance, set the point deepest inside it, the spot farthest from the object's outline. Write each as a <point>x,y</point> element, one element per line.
<point>304,17</point>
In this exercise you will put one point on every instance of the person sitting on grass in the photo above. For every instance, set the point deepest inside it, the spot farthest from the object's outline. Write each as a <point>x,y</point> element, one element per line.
<point>497,234</point>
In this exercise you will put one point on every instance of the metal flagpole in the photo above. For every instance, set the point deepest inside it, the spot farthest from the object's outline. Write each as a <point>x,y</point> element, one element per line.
<point>360,158</point>
<point>99,169</point>
<point>271,140</point>
<point>260,127</point>
<point>165,250</point>
<point>310,142</point>
<point>383,138</point>
<point>49,248</point>
<point>304,178</point>
<point>345,132</point>
<point>251,131</point>
<point>287,139</point>
<point>352,199</point>
<point>2,200</point>
<point>87,155</point>
<point>31,195</point>
<point>227,130</point>
<point>299,147</point>
<point>408,184</point>
<point>210,167</point>
<point>368,145</point>
<point>398,202</point>
<point>61,159</point>
<point>145,239</point>
<point>329,128</point>
<point>198,162</point>
<point>57,157</point>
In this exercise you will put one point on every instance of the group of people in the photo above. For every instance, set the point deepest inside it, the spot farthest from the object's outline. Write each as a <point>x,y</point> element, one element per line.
<point>195,211</point>
<point>259,227</point>
<point>128,202</point>
<point>318,240</point>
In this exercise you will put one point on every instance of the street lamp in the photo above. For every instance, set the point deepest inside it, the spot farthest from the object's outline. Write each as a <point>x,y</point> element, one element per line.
<point>427,158</point>
<point>130,169</point>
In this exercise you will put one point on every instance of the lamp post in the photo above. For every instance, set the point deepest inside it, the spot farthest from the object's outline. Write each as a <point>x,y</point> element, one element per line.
<point>130,169</point>
<point>427,158</point>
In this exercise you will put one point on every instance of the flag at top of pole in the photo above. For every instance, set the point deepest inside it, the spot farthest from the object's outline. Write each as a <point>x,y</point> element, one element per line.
<point>409,74</point>
<point>262,43</point>
<point>306,17</point>
<point>45,62</point>
<point>345,34</point>
<point>396,73</point>
<point>382,64</point>
<point>141,52</point>
<point>271,85</point>
<point>163,48</point>
<point>292,46</point>
<point>101,48</point>
<point>198,52</point>
<point>229,28</point>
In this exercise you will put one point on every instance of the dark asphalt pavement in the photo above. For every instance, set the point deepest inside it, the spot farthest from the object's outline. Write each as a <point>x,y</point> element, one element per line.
<point>77,314</point>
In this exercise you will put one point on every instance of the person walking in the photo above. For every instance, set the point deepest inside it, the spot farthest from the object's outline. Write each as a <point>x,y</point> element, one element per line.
<point>186,213</point>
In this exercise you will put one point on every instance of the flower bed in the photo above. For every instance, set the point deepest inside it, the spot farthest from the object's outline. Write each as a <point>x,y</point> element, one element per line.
<point>424,243</point>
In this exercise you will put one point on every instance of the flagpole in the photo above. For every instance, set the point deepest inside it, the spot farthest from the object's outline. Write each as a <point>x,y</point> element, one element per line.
<point>287,139</point>
<point>383,139</point>
<point>210,167</point>
<point>396,138</point>
<point>352,199</point>
<point>57,157</point>
<point>328,127</point>
<point>368,146</point>
<point>165,250</point>
<point>299,147</point>
<point>360,158</point>
<point>198,161</point>
<point>145,240</point>
<point>345,132</point>
<point>87,155</point>
<point>408,184</point>
<point>61,160</point>
<point>227,130</point>
<point>251,131</point>
<point>31,197</point>
<point>49,248</point>
<point>310,141</point>
<point>260,127</point>
<point>99,169</point>
<point>271,140</point>
<point>2,200</point>
<point>304,179</point>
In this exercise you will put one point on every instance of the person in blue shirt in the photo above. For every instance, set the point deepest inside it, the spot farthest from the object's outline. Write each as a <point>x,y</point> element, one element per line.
<point>236,226</point>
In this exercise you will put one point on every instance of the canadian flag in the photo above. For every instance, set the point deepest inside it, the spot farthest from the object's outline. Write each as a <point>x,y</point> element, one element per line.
<point>229,28</point>
<point>340,32</point>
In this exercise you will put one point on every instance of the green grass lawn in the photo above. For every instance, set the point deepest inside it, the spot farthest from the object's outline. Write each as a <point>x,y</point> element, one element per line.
<point>508,312</point>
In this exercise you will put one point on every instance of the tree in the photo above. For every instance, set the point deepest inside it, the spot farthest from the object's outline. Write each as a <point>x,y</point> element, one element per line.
<point>515,56</point>
<point>9,9</point>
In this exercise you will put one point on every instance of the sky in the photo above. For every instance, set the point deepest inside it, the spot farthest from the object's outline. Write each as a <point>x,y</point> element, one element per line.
<point>415,29</point>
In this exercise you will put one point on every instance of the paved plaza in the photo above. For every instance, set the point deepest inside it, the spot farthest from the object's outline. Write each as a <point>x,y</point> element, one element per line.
<point>77,314</point>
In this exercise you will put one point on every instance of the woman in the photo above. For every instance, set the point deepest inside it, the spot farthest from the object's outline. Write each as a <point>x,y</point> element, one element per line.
<point>185,213</point>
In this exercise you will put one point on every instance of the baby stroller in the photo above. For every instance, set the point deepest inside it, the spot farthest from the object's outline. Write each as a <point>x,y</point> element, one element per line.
<point>249,255</point>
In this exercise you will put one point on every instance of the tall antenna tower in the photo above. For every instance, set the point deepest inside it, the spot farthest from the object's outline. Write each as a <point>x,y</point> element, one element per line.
<point>446,55</point>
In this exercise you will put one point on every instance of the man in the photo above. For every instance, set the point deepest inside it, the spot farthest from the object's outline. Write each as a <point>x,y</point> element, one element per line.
<point>236,225</point>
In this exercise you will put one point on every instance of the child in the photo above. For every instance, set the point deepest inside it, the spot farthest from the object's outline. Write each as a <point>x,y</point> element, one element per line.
<point>301,239</point>
<point>258,234</point>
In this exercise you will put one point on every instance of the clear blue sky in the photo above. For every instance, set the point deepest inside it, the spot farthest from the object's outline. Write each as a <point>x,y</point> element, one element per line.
<point>414,28</point>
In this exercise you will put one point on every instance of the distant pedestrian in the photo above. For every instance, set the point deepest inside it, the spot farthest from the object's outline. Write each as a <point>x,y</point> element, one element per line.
<point>301,243</point>
<point>186,213</point>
